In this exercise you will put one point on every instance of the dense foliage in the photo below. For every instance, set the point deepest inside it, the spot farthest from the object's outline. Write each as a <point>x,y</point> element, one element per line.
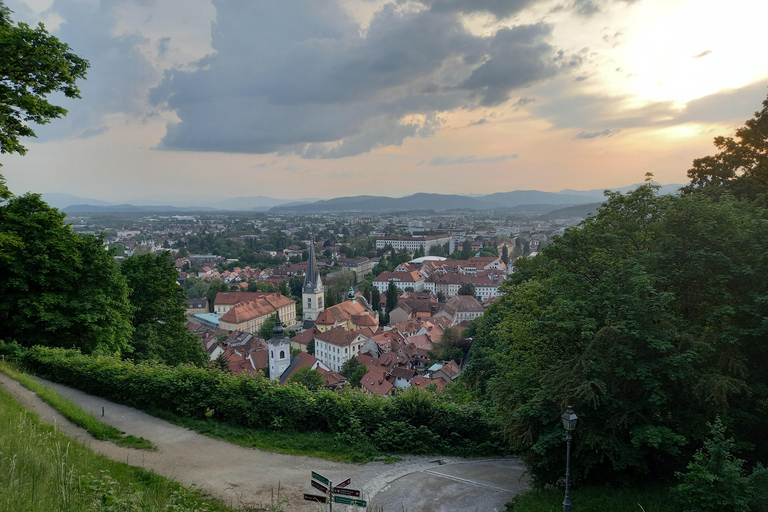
<point>649,320</point>
<point>436,423</point>
<point>158,315</point>
<point>58,288</point>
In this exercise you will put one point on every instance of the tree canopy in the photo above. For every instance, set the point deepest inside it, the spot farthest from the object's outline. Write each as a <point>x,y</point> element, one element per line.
<point>33,65</point>
<point>650,320</point>
<point>58,288</point>
<point>158,318</point>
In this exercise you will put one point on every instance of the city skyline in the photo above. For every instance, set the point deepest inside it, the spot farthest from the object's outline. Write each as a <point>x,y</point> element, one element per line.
<point>324,99</point>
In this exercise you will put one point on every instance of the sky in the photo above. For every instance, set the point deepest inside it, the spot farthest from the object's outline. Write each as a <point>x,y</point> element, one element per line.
<point>329,98</point>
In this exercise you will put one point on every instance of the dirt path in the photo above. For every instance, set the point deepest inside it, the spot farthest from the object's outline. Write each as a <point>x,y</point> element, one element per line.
<point>232,473</point>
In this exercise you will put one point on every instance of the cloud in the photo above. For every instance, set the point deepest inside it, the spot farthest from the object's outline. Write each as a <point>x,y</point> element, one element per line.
<point>702,54</point>
<point>608,132</point>
<point>472,159</point>
<point>299,76</point>
<point>117,80</point>
<point>479,122</point>
<point>596,113</point>
<point>586,7</point>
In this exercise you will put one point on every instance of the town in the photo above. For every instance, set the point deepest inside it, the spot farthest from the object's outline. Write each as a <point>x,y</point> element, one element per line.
<point>377,303</point>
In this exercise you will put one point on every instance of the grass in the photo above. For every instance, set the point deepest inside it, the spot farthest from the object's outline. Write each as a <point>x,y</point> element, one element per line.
<point>312,444</point>
<point>76,415</point>
<point>42,470</point>
<point>655,498</point>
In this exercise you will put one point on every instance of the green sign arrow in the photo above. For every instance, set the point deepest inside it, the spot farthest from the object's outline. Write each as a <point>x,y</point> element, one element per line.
<point>350,501</point>
<point>321,478</point>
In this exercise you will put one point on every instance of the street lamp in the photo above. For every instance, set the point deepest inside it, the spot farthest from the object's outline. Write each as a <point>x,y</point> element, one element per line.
<point>569,424</point>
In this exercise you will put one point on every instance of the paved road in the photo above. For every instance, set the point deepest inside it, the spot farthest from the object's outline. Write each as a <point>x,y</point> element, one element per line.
<point>239,475</point>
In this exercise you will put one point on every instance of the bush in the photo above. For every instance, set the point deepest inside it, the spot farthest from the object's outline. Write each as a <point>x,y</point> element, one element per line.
<point>415,421</point>
<point>715,481</point>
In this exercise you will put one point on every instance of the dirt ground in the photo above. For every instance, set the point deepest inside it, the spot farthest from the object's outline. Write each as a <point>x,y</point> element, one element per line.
<point>239,476</point>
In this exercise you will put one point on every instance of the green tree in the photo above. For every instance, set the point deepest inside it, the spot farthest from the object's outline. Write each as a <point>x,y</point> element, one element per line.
<point>312,379</point>
<point>58,288</point>
<point>467,288</point>
<point>160,332</point>
<point>505,255</point>
<point>222,363</point>
<point>715,480</point>
<point>265,331</point>
<point>311,347</point>
<point>33,65</point>
<point>392,296</point>
<point>448,347</point>
<point>357,376</point>
<point>741,166</point>
<point>643,321</point>
<point>349,367</point>
<point>441,297</point>
<point>215,286</point>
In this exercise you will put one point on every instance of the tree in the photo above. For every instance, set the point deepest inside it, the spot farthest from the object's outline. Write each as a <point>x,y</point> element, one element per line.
<point>741,166</point>
<point>33,65</point>
<point>715,480</point>
<point>505,254</point>
<point>312,379</point>
<point>158,315</point>
<point>376,299</point>
<point>222,363</point>
<point>357,376</point>
<point>311,347</point>
<point>215,286</point>
<point>441,297</point>
<point>448,347</point>
<point>265,331</point>
<point>58,288</point>
<point>643,321</point>
<point>392,295</point>
<point>349,367</point>
<point>467,288</point>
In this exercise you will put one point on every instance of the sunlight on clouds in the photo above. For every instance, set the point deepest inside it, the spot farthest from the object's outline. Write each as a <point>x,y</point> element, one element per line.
<point>667,54</point>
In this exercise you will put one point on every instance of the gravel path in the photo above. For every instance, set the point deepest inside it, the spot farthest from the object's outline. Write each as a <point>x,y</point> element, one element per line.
<point>234,474</point>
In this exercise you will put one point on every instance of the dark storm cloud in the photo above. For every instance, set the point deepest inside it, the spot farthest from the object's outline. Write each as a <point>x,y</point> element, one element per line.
<point>298,76</point>
<point>117,80</point>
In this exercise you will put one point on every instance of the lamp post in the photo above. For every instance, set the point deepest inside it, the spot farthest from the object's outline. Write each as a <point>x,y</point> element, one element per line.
<point>569,424</point>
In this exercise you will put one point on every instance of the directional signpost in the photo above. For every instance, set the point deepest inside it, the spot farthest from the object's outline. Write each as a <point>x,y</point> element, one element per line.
<point>337,494</point>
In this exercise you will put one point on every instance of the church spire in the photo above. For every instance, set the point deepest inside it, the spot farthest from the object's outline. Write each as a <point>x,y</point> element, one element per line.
<point>312,280</point>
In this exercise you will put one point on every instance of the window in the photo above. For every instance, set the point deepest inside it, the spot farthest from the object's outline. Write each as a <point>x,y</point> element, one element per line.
<point>282,354</point>
<point>309,302</point>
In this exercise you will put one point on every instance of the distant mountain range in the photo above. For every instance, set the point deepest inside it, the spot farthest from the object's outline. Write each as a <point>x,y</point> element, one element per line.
<point>534,201</point>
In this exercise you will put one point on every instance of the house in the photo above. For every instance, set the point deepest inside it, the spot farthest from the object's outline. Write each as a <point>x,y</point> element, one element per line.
<point>402,377</point>
<point>249,316</point>
<point>402,280</point>
<point>448,370</point>
<point>336,345</point>
<point>352,314</point>
<point>424,382</point>
<point>460,308</point>
<point>361,267</point>
<point>375,384</point>
<point>196,306</point>
<point>414,305</point>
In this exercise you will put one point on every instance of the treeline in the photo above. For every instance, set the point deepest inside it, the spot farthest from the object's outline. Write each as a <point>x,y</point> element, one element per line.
<point>60,289</point>
<point>650,320</point>
<point>416,421</point>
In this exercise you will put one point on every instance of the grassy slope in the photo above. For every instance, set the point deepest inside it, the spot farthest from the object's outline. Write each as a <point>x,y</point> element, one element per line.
<point>42,470</point>
<point>76,415</point>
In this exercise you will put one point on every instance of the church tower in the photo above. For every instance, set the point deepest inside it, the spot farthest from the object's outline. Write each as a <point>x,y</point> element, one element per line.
<point>313,293</point>
<point>279,350</point>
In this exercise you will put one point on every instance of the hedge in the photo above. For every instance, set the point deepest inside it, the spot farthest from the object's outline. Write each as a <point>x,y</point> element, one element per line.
<point>429,424</point>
